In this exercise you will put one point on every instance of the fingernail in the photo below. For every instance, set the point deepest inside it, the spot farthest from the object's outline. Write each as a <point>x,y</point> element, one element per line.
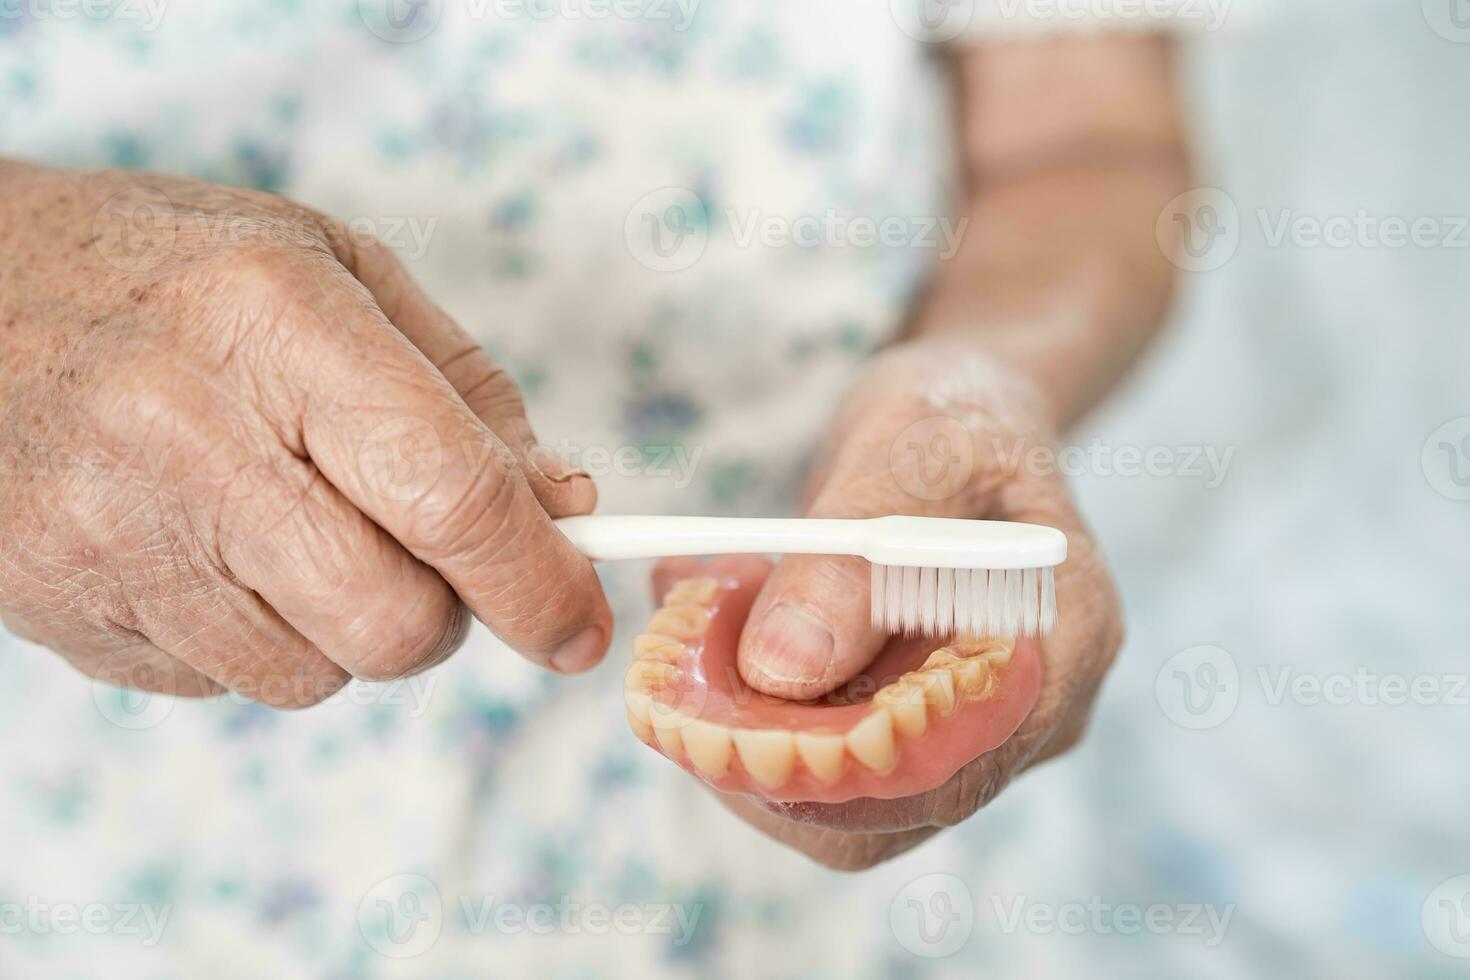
<point>792,645</point>
<point>579,653</point>
<point>552,466</point>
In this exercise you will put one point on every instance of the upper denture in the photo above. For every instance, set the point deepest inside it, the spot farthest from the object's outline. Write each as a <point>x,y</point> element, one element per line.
<point>939,709</point>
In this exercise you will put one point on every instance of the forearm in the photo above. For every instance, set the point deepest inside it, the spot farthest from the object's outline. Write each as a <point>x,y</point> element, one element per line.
<point>1060,273</point>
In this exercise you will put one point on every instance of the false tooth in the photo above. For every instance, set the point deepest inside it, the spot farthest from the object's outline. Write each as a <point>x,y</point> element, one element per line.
<point>656,646</point>
<point>638,705</point>
<point>767,754</point>
<point>681,622</point>
<point>646,675</point>
<point>709,747</point>
<point>670,734</point>
<point>972,676</point>
<point>943,657</point>
<point>905,701</point>
<point>999,655</point>
<point>939,690</point>
<point>822,754</point>
<point>692,591</point>
<point>871,741</point>
<point>642,730</point>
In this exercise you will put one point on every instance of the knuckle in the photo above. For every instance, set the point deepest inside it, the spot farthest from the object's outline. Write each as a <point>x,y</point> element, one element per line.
<point>484,385</point>
<point>140,402</point>
<point>411,637</point>
<point>261,271</point>
<point>349,245</point>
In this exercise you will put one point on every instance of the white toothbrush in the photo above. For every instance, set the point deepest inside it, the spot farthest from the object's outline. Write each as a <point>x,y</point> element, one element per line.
<point>931,575</point>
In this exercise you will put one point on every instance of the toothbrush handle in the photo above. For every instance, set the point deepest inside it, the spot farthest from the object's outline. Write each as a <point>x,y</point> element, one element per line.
<point>614,537</point>
<point>936,542</point>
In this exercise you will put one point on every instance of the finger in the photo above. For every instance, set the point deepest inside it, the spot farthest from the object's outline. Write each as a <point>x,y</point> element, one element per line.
<point>338,597</point>
<point>486,387</point>
<point>810,631</point>
<point>405,450</point>
<point>837,849</point>
<point>227,632</point>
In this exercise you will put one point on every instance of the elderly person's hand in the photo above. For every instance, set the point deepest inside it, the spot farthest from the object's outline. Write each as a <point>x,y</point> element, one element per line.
<point>240,449</point>
<point>937,429</point>
<point>1073,151</point>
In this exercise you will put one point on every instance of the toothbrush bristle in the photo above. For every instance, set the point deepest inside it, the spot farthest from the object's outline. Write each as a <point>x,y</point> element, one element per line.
<point>963,601</point>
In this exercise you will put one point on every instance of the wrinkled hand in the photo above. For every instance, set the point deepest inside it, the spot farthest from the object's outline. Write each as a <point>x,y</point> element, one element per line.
<point>934,429</point>
<point>240,449</point>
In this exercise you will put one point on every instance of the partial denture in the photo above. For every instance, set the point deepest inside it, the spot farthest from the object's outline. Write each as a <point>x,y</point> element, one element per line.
<point>935,712</point>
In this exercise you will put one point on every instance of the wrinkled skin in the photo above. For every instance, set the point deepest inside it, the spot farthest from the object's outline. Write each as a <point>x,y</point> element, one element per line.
<point>203,490</point>
<point>908,395</point>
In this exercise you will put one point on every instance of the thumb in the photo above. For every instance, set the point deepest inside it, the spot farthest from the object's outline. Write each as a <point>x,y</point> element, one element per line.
<point>809,631</point>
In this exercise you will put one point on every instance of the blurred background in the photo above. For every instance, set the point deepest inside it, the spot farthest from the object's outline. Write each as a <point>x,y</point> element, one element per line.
<point>1274,782</point>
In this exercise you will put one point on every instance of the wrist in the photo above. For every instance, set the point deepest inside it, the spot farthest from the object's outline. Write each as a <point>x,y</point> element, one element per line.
<point>996,364</point>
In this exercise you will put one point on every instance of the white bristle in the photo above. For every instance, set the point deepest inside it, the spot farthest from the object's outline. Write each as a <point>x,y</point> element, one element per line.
<point>964,609</point>
<point>1048,600</point>
<point>1030,602</point>
<point>928,597</point>
<point>963,601</point>
<point>944,603</point>
<point>995,599</point>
